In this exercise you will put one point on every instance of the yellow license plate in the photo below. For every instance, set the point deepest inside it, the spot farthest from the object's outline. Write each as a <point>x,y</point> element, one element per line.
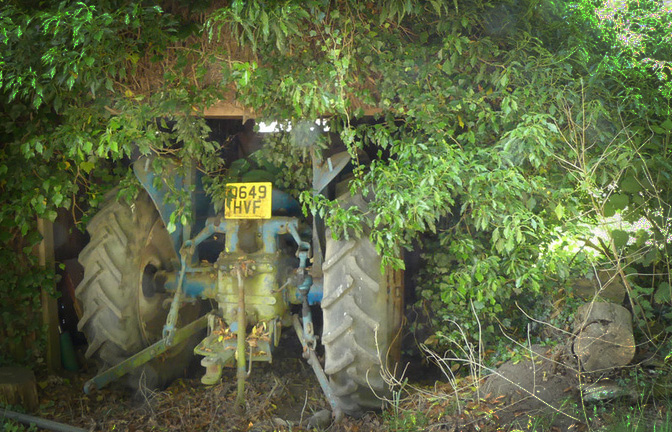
<point>248,200</point>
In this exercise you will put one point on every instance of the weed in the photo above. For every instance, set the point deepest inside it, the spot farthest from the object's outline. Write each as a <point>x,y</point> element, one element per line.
<point>11,426</point>
<point>397,420</point>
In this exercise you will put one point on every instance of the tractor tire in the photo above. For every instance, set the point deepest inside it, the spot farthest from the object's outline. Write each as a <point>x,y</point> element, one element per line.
<point>362,314</point>
<point>123,311</point>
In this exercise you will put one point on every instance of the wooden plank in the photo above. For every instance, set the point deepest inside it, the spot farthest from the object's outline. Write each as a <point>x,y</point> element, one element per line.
<point>49,303</point>
<point>224,109</point>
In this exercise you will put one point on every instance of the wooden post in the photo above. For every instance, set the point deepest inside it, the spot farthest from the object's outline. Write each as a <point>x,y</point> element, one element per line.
<point>17,387</point>
<point>49,303</point>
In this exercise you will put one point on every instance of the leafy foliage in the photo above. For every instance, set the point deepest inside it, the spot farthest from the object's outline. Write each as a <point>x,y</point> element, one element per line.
<point>631,52</point>
<point>21,334</point>
<point>499,133</point>
<point>65,113</point>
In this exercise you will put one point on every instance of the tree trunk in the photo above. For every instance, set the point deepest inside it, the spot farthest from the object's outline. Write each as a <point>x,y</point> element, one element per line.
<point>17,387</point>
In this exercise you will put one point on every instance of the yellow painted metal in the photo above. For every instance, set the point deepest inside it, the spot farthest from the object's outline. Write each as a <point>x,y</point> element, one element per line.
<point>263,298</point>
<point>240,346</point>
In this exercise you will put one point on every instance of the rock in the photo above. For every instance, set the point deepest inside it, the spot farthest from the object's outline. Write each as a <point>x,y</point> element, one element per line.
<point>536,379</point>
<point>606,390</point>
<point>536,385</point>
<point>281,423</point>
<point>603,336</point>
<point>320,420</point>
<point>606,286</point>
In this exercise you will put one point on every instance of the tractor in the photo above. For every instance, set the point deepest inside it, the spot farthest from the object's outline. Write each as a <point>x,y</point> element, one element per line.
<point>225,286</point>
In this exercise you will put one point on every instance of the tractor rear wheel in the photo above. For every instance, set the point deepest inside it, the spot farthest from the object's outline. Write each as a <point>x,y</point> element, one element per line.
<point>123,309</point>
<point>362,312</point>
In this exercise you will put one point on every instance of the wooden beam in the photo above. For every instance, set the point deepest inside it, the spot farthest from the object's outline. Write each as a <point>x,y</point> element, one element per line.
<point>223,109</point>
<point>49,303</point>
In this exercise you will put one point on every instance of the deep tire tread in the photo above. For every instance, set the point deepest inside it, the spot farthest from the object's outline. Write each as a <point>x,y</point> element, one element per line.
<point>359,274</point>
<point>338,293</point>
<point>355,311</point>
<point>102,281</point>
<point>111,306</point>
<point>109,290</point>
<point>339,331</point>
<point>338,364</point>
<point>337,255</point>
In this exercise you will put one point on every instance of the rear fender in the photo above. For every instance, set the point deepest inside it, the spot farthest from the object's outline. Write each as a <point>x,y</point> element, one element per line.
<point>283,204</point>
<point>143,171</point>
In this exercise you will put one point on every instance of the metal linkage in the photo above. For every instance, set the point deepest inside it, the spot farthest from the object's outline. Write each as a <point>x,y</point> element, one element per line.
<point>186,252</point>
<point>241,373</point>
<point>171,321</point>
<point>307,316</point>
<point>144,356</point>
<point>36,421</point>
<point>306,333</point>
<point>309,355</point>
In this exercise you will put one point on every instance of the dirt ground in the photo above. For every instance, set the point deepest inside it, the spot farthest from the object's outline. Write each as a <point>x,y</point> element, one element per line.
<point>282,397</point>
<point>279,397</point>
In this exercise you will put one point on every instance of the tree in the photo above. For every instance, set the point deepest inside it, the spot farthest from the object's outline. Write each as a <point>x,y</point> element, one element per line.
<point>474,149</point>
<point>628,44</point>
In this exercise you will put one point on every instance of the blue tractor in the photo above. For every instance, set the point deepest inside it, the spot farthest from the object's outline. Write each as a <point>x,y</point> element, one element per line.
<point>227,285</point>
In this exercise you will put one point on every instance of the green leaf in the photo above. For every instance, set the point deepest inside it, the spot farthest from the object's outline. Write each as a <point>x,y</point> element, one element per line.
<point>479,276</point>
<point>663,293</point>
<point>630,185</point>
<point>559,211</point>
<point>620,238</point>
<point>650,257</point>
<point>57,199</point>
<point>264,24</point>
<point>614,203</point>
<point>642,237</point>
<point>87,166</point>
